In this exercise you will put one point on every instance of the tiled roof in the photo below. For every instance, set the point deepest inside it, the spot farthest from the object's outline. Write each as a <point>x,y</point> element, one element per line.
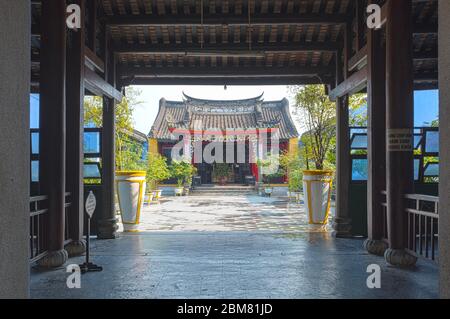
<point>222,115</point>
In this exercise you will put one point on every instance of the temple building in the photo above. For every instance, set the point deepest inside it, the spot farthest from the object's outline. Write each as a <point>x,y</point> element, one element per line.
<point>245,129</point>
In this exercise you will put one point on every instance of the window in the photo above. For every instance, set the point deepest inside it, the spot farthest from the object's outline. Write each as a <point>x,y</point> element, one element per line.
<point>359,169</point>
<point>92,142</point>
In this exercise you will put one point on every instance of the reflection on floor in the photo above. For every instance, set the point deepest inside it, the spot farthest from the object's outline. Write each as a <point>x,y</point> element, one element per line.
<point>234,247</point>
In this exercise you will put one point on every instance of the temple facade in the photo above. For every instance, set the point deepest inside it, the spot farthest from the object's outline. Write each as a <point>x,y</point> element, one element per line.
<point>211,132</point>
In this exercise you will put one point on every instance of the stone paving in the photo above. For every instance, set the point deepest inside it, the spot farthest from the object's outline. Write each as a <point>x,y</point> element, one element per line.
<point>228,212</point>
<point>234,246</point>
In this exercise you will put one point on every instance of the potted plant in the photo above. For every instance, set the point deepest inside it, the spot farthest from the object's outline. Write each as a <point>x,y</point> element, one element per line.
<point>130,182</point>
<point>181,170</point>
<point>191,171</point>
<point>157,171</point>
<point>319,115</point>
<point>291,162</point>
<point>270,169</point>
<point>295,184</point>
<point>130,190</point>
<point>221,171</point>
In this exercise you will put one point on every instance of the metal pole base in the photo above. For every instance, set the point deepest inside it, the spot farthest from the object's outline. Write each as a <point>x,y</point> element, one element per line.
<point>90,267</point>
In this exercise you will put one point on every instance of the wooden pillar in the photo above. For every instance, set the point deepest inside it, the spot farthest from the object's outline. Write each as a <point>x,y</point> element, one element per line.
<point>75,135</point>
<point>107,227</point>
<point>376,138</point>
<point>92,10</point>
<point>400,124</point>
<point>53,125</point>
<point>342,223</point>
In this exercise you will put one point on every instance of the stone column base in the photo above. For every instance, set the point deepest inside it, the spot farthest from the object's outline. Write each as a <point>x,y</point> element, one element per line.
<point>400,258</point>
<point>375,247</point>
<point>76,248</point>
<point>342,227</point>
<point>107,229</point>
<point>54,259</point>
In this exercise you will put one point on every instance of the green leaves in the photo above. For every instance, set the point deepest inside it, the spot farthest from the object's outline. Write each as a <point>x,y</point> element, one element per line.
<point>157,170</point>
<point>128,151</point>
<point>183,171</point>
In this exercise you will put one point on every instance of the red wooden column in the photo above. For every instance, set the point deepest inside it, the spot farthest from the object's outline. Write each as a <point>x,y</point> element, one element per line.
<point>400,123</point>
<point>376,137</point>
<point>75,134</point>
<point>53,125</point>
<point>107,225</point>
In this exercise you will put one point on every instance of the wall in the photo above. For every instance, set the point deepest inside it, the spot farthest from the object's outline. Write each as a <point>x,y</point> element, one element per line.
<point>15,50</point>
<point>444,118</point>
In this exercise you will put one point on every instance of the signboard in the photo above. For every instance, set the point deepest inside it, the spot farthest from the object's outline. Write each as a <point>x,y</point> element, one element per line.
<point>400,140</point>
<point>91,204</point>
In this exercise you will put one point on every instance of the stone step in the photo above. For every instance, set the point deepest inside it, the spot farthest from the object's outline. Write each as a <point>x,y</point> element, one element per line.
<point>222,190</point>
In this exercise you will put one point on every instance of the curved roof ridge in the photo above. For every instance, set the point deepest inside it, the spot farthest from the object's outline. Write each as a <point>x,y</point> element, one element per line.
<point>257,98</point>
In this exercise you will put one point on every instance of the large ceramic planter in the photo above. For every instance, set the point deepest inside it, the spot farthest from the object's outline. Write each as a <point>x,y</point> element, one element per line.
<point>131,189</point>
<point>317,189</point>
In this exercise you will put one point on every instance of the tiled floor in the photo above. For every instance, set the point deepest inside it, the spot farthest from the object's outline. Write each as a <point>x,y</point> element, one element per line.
<point>239,247</point>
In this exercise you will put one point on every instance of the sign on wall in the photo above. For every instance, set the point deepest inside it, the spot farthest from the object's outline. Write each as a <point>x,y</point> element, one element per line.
<point>400,140</point>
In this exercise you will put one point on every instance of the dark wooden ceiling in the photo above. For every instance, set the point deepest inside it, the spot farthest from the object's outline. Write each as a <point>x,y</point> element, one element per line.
<point>240,41</point>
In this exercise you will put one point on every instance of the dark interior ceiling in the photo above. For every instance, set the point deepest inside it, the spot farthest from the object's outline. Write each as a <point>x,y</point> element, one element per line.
<point>238,41</point>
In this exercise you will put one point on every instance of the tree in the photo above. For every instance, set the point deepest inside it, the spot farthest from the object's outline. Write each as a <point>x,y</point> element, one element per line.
<point>157,170</point>
<point>128,151</point>
<point>319,118</point>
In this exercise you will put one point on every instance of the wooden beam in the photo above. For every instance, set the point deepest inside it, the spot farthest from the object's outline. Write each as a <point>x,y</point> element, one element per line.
<point>93,61</point>
<point>224,20</point>
<point>360,58</point>
<point>216,49</point>
<point>228,81</point>
<point>353,84</point>
<point>225,72</point>
<point>99,86</point>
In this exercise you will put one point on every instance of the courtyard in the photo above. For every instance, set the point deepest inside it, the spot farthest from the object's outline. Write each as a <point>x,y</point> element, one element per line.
<point>234,245</point>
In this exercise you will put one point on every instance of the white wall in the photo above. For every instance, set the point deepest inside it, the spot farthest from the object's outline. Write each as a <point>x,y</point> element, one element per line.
<point>14,147</point>
<point>444,120</point>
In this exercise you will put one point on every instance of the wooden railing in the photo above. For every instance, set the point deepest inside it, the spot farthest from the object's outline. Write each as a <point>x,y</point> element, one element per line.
<point>67,211</point>
<point>423,222</point>
<point>38,227</point>
<point>39,220</point>
<point>384,217</point>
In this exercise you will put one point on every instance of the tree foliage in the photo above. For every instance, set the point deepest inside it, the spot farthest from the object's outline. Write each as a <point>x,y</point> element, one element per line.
<point>157,170</point>
<point>317,116</point>
<point>183,171</point>
<point>128,151</point>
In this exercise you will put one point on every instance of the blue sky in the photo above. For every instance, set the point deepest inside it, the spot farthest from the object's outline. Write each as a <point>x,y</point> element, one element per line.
<point>426,107</point>
<point>426,102</point>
